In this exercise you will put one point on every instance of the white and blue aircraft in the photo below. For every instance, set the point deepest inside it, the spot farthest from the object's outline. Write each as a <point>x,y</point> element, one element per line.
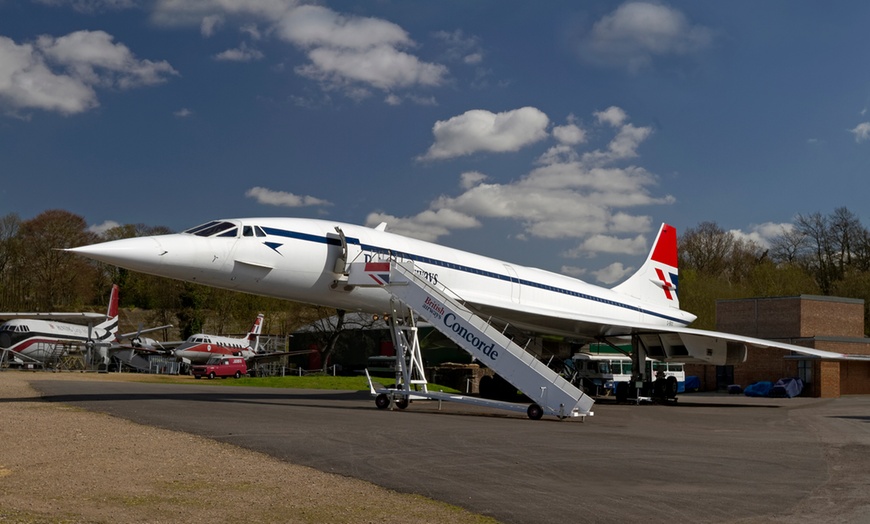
<point>308,260</point>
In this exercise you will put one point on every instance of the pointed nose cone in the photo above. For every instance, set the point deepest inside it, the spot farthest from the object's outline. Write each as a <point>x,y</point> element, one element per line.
<point>143,254</point>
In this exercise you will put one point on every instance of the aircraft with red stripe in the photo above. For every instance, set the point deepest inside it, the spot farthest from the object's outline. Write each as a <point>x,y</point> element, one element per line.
<point>200,347</point>
<point>37,336</point>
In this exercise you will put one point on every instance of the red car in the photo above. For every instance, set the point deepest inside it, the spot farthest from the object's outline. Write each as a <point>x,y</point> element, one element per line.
<point>219,366</point>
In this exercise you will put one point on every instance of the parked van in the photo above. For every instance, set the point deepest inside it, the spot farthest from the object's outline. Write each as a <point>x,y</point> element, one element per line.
<point>221,366</point>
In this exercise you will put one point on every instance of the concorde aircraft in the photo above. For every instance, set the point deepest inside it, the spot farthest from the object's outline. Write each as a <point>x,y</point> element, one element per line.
<point>308,260</point>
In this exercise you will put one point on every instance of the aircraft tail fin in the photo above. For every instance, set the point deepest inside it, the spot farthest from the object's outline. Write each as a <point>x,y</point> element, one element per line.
<point>254,334</point>
<point>656,280</point>
<point>111,322</point>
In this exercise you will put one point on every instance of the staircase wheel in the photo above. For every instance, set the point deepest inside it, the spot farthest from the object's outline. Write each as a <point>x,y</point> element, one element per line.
<point>382,401</point>
<point>402,403</point>
<point>535,412</point>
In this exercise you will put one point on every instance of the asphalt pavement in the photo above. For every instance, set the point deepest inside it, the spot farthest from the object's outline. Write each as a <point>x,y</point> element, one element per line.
<point>706,459</point>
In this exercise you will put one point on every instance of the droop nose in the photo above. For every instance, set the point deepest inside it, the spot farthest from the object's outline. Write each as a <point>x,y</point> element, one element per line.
<point>141,253</point>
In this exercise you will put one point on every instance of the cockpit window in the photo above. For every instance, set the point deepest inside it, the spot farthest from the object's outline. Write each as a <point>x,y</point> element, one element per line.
<point>193,230</point>
<point>214,228</point>
<point>251,231</point>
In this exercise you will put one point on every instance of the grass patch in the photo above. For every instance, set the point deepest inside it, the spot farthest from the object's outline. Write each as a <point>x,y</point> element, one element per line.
<point>358,383</point>
<point>354,383</point>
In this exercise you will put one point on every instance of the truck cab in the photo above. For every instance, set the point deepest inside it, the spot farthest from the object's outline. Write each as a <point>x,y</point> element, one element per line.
<point>220,366</point>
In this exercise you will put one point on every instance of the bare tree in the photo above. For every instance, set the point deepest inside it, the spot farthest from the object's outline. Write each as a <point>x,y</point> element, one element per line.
<point>846,232</point>
<point>706,248</point>
<point>11,289</point>
<point>788,246</point>
<point>55,277</point>
<point>714,252</point>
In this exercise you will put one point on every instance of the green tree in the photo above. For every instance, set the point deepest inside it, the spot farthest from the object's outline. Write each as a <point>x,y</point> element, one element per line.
<point>191,314</point>
<point>856,284</point>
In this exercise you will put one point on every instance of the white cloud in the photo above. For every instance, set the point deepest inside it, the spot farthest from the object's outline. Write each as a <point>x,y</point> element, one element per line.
<point>92,6</point>
<point>573,271</point>
<point>637,32</point>
<point>612,273</point>
<point>243,53</point>
<point>569,196</point>
<point>471,179</point>
<point>461,47</point>
<point>61,74</point>
<point>183,113</point>
<point>609,244</point>
<point>282,198</point>
<point>480,130</point>
<point>623,146</point>
<point>27,82</point>
<point>428,225</point>
<point>861,132</point>
<point>473,58</point>
<point>570,134</point>
<point>313,26</point>
<point>210,24</point>
<point>762,234</point>
<point>93,57</point>
<point>102,228</point>
<point>348,53</point>
<point>383,67</point>
<point>613,116</point>
<point>252,31</point>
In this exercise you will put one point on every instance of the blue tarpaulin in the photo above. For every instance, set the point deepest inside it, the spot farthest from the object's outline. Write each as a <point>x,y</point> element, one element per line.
<point>692,384</point>
<point>787,387</point>
<point>759,389</point>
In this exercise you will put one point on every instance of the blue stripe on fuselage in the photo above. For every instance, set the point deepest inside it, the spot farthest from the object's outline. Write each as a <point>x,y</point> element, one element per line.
<point>466,269</point>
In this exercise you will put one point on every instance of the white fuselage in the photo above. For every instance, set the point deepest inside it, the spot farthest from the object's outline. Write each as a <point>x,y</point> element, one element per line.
<point>296,259</point>
<point>41,339</point>
<point>200,348</point>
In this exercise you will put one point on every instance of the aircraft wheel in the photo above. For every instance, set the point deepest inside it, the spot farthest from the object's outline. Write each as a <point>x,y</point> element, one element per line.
<point>671,387</point>
<point>211,375</point>
<point>660,389</point>
<point>238,374</point>
<point>621,392</point>
<point>402,403</point>
<point>382,401</point>
<point>486,387</point>
<point>535,412</point>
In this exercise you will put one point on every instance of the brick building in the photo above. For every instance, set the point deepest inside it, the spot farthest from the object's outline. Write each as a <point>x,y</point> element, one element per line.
<point>826,323</point>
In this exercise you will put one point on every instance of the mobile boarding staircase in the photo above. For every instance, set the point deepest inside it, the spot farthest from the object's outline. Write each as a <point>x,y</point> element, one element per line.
<point>550,393</point>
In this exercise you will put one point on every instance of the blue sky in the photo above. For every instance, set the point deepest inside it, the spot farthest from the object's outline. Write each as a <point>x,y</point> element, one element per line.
<point>551,134</point>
